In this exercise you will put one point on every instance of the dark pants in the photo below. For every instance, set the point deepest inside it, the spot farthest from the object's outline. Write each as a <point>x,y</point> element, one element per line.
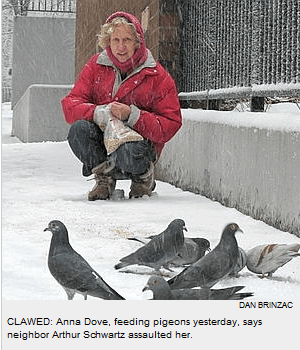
<point>86,141</point>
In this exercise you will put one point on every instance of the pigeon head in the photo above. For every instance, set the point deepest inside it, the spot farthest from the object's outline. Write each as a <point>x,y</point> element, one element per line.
<point>178,222</point>
<point>56,227</point>
<point>202,243</point>
<point>60,237</point>
<point>159,286</point>
<point>59,232</point>
<point>232,228</point>
<point>177,226</point>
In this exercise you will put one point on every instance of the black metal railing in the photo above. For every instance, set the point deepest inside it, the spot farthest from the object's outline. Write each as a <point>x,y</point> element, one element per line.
<point>6,94</point>
<point>22,7</point>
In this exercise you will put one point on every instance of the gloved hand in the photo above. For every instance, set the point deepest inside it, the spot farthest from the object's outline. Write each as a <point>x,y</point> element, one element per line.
<point>101,116</point>
<point>115,132</point>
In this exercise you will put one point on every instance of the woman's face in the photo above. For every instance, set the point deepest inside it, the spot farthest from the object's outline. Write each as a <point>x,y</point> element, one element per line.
<point>122,42</point>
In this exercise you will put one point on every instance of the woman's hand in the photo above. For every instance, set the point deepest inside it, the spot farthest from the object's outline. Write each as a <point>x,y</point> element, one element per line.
<point>120,110</point>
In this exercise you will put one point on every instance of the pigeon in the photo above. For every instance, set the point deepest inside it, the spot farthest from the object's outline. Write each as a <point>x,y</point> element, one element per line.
<point>192,250</point>
<point>213,266</point>
<point>161,291</point>
<point>240,264</point>
<point>71,270</point>
<point>160,250</point>
<point>267,258</point>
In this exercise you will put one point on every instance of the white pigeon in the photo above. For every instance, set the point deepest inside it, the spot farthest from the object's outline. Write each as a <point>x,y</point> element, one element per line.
<point>267,258</point>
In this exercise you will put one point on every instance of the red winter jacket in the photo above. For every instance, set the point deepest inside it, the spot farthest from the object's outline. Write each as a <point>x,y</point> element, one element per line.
<point>149,88</point>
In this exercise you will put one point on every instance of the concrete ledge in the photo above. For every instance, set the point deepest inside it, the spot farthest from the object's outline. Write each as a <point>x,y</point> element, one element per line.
<point>38,115</point>
<point>255,170</point>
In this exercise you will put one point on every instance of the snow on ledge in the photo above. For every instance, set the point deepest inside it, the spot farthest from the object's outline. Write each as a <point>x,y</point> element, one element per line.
<point>279,89</point>
<point>236,92</point>
<point>51,86</point>
<point>276,87</point>
<point>280,117</point>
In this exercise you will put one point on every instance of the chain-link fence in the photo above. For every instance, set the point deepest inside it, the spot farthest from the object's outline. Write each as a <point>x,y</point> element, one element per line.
<point>237,44</point>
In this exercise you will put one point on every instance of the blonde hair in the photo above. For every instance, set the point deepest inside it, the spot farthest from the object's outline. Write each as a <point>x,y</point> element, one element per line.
<point>108,28</point>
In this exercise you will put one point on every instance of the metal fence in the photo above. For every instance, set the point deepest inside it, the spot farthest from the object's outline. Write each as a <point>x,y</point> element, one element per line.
<point>6,94</point>
<point>241,47</point>
<point>22,7</point>
<point>52,5</point>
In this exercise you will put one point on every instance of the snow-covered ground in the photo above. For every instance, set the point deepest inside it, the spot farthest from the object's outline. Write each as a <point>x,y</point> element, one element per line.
<point>43,181</point>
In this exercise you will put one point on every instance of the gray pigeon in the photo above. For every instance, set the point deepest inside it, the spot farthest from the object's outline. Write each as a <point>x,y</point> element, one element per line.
<point>240,264</point>
<point>71,270</point>
<point>160,250</point>
<point>192,250</point>
<point>161,291</point>
<point>213,266</point>
<point>267,258</point>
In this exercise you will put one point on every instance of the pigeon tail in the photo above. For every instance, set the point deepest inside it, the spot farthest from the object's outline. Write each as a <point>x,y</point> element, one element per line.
<point>140,240</point>
<point>294,254</point>
<point>120,265</point>
<point>108,295</point>
<point>240,296</point>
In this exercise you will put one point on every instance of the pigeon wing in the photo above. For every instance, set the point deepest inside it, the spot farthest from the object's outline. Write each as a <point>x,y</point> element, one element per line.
<point>147,255</point>
<point>188,254</point>
<point>268,258</point>
<point>205,272</point>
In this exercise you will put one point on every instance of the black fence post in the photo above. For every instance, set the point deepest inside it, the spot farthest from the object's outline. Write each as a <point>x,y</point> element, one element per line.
<point>257,103</point>
<point>214,105</point>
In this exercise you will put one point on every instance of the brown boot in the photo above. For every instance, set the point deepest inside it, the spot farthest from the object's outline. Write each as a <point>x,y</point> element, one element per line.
<point>143,184</point>
<point>105,183</point>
